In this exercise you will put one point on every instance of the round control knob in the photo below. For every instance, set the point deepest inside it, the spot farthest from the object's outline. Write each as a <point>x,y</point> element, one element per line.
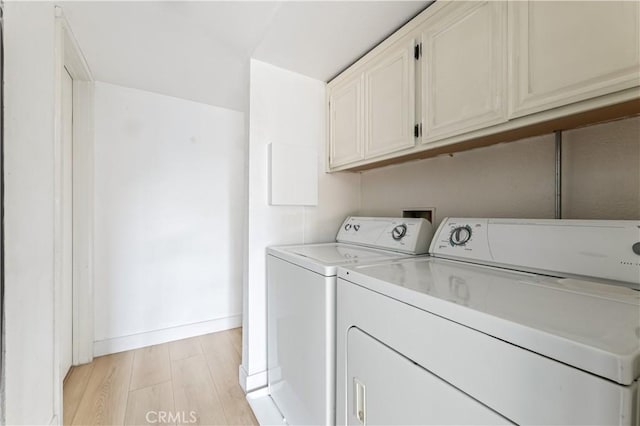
<point>356,227</point>
<point>460,235</point>
<point>399,232</point>
<point>636,248</point>
<point>347,227</point>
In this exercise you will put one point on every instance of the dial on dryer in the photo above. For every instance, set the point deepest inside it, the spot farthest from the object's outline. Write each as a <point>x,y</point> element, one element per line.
<point>460,235</point>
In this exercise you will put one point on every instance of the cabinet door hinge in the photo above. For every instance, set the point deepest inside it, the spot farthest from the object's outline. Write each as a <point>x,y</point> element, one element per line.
<point>417,51</point>
<point>417,130</point>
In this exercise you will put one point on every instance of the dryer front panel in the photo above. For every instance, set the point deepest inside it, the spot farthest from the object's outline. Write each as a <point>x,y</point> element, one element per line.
<point>390,389</point>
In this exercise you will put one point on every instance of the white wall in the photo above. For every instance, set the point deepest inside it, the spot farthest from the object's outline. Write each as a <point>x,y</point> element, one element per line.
<point>285,108</point>
<point>31,384</point>
<point>601,166</point>
<point>169,179</point>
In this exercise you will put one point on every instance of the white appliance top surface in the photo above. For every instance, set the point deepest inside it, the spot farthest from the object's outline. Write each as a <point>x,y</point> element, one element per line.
<point>333,254</point>
<point>324,258</point>
<point>592,326</point>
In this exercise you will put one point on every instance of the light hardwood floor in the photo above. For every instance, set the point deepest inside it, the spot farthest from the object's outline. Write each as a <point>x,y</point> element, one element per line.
<point>191,381</point>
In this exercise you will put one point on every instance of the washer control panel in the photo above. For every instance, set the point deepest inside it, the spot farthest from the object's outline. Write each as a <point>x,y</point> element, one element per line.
<point>603,249</point>
<point>406,235</point>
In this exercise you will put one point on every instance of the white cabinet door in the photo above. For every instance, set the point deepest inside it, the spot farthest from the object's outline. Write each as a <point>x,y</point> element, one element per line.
<point>564,52</point>
<point>390,100</point>
<point>464,68</point>
<point>385,388</point>
<point>346,122</point>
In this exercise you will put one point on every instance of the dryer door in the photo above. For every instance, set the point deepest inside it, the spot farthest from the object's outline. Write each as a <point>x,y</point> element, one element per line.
<point>388,389</point>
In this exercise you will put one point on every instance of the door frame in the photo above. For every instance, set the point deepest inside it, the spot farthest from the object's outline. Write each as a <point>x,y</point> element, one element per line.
<point>68,55</point>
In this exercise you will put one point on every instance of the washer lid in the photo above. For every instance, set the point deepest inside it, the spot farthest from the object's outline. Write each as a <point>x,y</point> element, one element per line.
<point>591,326</point>
<point>325,258</point>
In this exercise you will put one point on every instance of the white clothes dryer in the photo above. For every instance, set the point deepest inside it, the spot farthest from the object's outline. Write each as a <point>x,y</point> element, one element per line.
<point>510,321</point>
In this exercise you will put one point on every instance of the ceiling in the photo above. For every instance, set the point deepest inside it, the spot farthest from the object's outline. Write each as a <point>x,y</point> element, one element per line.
<point>200,50</point>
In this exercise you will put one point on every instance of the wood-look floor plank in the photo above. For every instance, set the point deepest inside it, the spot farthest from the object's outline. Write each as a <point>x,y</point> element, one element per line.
<point>223,360</point>
<point>203,378</point>
<point>193,391</point>
<point>75,385</point>
<point>105,398</point>
<point>151,366</point>
<point>153,404</point>
<point>185,348</point>
<point>236,339</point>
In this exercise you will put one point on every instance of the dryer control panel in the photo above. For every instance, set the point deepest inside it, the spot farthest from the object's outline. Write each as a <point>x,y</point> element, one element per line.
<point>602,249</point>
<point>405,235</point>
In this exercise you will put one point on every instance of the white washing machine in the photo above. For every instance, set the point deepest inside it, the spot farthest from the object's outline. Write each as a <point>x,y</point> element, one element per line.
<point>509,322</point>
<point>301,304</point>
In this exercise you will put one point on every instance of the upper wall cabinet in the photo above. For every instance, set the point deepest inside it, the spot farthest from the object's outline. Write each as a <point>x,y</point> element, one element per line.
<point>390,100</point>
<point>564,52</point>
<point>372,108</point>
<point>346,131</point>
<point>464,50</point>
<point>465,74</point>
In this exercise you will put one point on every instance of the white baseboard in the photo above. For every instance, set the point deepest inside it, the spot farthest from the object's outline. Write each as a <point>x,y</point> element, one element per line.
<point>251,382</point>
<point>134,341</point>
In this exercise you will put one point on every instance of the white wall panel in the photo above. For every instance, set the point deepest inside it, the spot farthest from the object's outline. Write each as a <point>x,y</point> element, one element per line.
<point>168,199</point>
<point>285,108</point>
<point>293,175</point>
<point>31,381</point>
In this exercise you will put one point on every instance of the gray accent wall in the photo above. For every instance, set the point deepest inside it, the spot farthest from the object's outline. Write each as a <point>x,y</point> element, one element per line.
<point>601,178</point>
